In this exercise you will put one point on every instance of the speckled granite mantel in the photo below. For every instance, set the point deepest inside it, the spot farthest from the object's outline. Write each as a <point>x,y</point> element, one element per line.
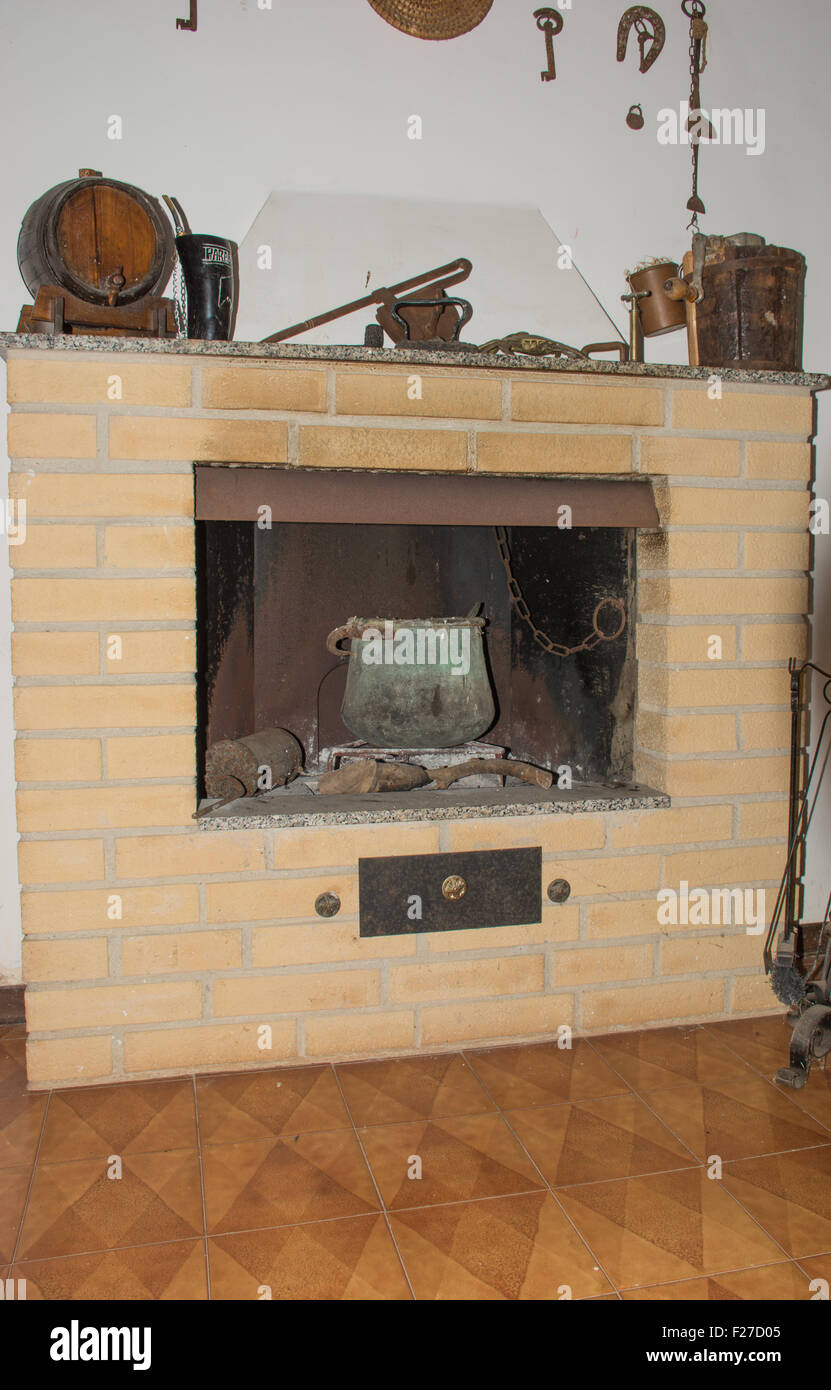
<point>153,948</point>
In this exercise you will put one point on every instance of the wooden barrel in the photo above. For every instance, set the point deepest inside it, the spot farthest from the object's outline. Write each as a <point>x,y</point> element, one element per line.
<point>752,310</point>
<point>103,241</point>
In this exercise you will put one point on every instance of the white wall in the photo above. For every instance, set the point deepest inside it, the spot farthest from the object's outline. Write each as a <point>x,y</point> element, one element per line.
<point>315,95</point>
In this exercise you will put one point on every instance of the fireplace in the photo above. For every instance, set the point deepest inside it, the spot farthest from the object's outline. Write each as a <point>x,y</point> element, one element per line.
<point>284,557</point>
<point>152,615</point>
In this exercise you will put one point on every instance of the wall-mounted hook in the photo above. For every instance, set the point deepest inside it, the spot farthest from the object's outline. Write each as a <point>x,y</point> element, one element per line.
<point>191,21</point>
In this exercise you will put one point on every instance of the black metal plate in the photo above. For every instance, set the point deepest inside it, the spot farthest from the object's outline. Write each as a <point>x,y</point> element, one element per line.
<point>504,889</point>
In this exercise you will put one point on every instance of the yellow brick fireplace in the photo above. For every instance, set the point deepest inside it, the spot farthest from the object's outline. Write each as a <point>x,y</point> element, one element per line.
<point>154,947</point>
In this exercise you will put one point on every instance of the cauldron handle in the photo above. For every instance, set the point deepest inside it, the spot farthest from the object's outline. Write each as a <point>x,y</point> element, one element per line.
<point>338,634</point>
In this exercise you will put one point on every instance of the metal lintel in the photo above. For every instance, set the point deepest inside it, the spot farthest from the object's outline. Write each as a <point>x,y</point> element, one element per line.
<point>332,496</point>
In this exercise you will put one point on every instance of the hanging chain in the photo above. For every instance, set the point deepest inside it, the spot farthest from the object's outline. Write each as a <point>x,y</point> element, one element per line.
<point>521,607</point>
<point>695,10</point>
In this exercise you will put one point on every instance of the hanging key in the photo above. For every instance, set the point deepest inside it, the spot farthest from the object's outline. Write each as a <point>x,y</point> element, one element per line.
<point>550,22</point>
<point>192,20</point>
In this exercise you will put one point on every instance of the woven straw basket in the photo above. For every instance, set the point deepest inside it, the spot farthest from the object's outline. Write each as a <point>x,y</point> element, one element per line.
<point>433,19</point>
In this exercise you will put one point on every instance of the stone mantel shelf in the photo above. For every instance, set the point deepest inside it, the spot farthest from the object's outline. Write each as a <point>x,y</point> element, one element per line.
<point>270,352</point>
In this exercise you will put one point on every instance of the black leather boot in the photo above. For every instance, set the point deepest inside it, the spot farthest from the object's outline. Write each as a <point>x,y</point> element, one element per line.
<point>210,266</point>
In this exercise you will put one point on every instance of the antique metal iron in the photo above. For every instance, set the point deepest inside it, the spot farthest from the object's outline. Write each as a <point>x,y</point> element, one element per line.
<point>435,342</point>
<point>423,700</point>
<point>800,966</point>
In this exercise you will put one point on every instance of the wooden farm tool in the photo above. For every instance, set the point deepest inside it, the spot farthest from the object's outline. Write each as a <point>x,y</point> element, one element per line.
<point>503,767</point>
<point>357,779</point>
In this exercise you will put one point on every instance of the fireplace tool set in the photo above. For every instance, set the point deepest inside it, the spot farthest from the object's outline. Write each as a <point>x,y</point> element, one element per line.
<point>799,963</point>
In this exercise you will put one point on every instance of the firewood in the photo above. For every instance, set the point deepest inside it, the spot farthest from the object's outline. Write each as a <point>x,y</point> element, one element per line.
<point>371,776</point>
<point>503,767</point>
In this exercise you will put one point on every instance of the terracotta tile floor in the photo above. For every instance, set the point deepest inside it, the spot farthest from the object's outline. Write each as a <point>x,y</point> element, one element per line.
<point>506,1173</point>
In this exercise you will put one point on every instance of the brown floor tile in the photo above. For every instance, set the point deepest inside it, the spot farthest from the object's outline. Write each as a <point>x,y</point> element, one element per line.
<point>412,1088</point>
<point>14,1184</point>
<point>75,1208</point>
<point>668,1057</point>
<point>815,1096</point>
<point>141,1117</point>
<point>509,1248</point>
<point>174,1271</point>
<point>12,1030</point>
<point>21,1123</point>
<point>771,1283</point>
<point>736,1118</point>
<point>352,1259</point>
<point>762,1042</point>
<point>12,1069</point>
<point>789,1195</point>
<point>543,1073</point>
<point>265,1104</point>
<point>597,1139</point>
<point>666,1226</point>
<point>286,1181</point>
<point>461,1157</point>
<point>818,1268</point>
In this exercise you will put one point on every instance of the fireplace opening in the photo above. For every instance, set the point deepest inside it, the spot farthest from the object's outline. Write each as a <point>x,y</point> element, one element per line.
<point>286,558</point>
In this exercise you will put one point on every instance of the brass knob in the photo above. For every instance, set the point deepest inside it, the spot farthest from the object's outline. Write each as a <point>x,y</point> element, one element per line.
<point>454,887</point>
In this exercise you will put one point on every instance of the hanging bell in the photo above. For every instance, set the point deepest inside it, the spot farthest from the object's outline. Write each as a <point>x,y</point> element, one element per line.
<point>634,117</point>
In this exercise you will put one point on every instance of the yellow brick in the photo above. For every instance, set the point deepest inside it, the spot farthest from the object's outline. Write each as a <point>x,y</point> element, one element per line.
<point>276,387</point>
<point>162,955</point>
<point>104,808</point>
<point>596,965</point>
<point>768,730</point>
<point>679,825</point>
<point>776,552</point>
<point>560,923</point>
<point>774,641</point>
<point>671,1001</point>
<point>185,1049</point>
<point>698,506</point>
<point>106,600</point>
<point>60,861</point>
<point>734,866</point>
<point>553,453</point>
<point>55,653</point>
<point>763,820</point>
<point>52,436</point>
<point>742,410</point>
<point>55,548</point>
<point>330,942</point>
<point>114,1006</point>
<point>167,652</point>
<point>703,458</point>
<point>456,396</point>
<point>687,733</point>
<point>153,755</point>
<point>687,550</point>
<point>779,461</point>
<point>68,1059</point>
<point>424,451</point>
<point>57,760</point>
<point>467,979</point>
<point>148,547</point>
<point>263,899</point>
<point>586,404</point>
<point>286,994</point>
<point>752,994</point>
<point>504,1020</point>
<point>614,921</point>
<point>717,687</point>
<point>164,906</point>
<point>104,494</point>
<point>733,951</point>
<point>552,833</point>
<point>90,383</point>
<point>203,441</point>
<point>205,852</point>
<point>344,1035</point>
<point>65,960</point>
<point>693,597</point>
<point>590,877</point>
<point>676,645</point>
<point>337,844</point>
<point>747,776</point>
<point>104,706</point>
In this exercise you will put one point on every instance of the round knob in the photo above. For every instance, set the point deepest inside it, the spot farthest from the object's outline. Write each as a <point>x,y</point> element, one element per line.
<point>559,890</point>
<point>454,887</point>
<point>327,905</point>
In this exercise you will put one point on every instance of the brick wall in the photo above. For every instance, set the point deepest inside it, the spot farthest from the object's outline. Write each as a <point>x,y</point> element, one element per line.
<point>153,947</point>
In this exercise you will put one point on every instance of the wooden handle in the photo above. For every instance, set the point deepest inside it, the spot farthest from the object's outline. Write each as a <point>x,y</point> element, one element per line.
<point>503,767</point>
<point>680,289</point>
